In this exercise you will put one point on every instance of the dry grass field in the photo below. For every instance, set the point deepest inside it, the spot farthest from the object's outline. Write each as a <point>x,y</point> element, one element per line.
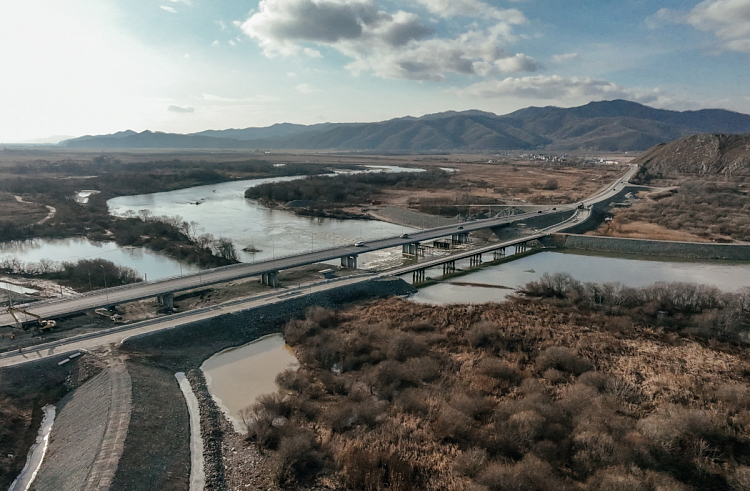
<point>17,213</point>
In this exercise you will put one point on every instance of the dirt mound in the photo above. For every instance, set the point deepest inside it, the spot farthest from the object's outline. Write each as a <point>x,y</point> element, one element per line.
<point>707,154</point>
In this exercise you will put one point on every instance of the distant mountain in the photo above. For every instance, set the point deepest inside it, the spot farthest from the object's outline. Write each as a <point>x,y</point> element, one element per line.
<point>610,126</point>
<point>698,154</point>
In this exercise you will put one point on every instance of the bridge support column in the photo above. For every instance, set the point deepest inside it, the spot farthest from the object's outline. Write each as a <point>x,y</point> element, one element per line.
<point>271,278</point>
<point>498,254</point>
<point>411,249</point>
<point>475,260</point>
<point>418,276</point>
<point>167,300</point>
<point>449,267</point>
<point>460,238</point>
<point>521,247</point>
<point>349,261</point>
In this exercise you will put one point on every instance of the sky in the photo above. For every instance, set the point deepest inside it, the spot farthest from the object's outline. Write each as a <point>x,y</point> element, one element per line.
<point>77,67</point>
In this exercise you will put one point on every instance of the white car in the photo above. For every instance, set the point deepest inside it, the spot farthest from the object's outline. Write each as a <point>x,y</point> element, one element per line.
<point>359,244</point>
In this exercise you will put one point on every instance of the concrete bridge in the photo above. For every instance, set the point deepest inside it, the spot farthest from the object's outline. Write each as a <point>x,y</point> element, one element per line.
<point>165,289</point>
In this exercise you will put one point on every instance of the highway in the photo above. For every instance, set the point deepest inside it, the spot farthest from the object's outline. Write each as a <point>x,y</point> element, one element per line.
<point>52,308</point>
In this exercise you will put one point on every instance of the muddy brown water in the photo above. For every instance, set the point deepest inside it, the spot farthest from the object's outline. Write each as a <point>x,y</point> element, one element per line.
<point>237,376</point>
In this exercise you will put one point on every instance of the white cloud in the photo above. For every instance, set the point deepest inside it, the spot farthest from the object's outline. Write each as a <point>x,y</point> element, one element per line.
<point>564,57</point>
<point>728,20</point>
<point>312,53</point>
<point>305,89</point>
<point>472,8</point>
<point>180,109</point>
<point>554,87</point>
<point>238,100</point>
<point>390,45</point>
<point>169,9</point>
<point>215,43</point>
<point>186,2</point>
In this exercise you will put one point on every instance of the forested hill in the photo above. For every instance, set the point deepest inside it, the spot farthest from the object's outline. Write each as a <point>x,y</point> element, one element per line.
<point>607,126</point>
<point>704,154</point>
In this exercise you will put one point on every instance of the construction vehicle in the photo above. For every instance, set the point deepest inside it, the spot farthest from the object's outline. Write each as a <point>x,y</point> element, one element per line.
<point>109,315</point>
<point>43,324</point>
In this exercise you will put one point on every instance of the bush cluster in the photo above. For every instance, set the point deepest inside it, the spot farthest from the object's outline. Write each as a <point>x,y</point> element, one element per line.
<point>496,397</point>
<point>686,307</point>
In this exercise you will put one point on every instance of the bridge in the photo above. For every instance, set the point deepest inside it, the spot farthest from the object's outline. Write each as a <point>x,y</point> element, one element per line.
<point>268,270</point>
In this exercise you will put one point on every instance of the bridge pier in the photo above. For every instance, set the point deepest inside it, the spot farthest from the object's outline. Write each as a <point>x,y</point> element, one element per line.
<point>522,247</point>
<point>349,261</point>
<point>449,267</point>
<point>498,254</point>
<point>475,260</point>
<point>271,278</point>
<point>412,249</point>
<point>167,300</point>
<point>418,276</point>
<point>460,238</point>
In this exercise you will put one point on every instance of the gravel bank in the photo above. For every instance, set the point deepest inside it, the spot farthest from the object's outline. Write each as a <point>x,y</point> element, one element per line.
<point>211,431</point>
<point>87,439</point>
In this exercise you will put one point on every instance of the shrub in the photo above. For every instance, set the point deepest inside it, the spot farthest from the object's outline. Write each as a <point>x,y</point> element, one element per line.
<point>296,458</point>
<point>404,346</point>
<point>531,474</point>
<point>564,359</point>
<point>483,335</point>
<point>469,463</point>
<point>499,369</point>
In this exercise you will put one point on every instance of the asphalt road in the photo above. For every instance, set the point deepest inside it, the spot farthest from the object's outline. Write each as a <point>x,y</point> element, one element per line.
<point>49,309</point>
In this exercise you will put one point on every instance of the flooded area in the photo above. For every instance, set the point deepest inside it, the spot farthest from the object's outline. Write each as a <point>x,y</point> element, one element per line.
<point>237,376</point>
<point>36,454</point>
<point>495,283</point>
<point>72,249</point>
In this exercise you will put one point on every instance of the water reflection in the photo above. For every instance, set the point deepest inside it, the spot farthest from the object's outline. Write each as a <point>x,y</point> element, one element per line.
<point>630,271</point>
<point>157,266</point>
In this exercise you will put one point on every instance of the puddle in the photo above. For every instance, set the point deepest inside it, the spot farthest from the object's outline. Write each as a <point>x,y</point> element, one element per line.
<point>237,376</point>
<point>36,454</point>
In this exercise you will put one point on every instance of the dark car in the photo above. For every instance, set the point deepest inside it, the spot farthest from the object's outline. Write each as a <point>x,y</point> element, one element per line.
<point>460,227</point>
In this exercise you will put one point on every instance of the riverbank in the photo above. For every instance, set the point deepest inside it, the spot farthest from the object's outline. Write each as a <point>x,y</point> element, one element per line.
<point>646,247</point>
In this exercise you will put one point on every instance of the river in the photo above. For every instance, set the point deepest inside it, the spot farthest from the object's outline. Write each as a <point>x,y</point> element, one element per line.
<point>222,211</point>
<point>502,280</point>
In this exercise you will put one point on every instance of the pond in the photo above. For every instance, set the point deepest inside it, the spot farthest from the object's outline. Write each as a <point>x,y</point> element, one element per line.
<point>237,376</point>
<point>495,283</point>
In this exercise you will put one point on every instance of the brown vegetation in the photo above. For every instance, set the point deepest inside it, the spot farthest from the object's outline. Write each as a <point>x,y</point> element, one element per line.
<point>702,211</point>
<point>523,395</point>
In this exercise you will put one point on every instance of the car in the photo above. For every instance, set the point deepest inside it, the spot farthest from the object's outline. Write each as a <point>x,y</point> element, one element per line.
<point>404,236</point>
<point>460,227</point>
<point>359,244</point>
<point>553,209</point>
<point>539,211</point>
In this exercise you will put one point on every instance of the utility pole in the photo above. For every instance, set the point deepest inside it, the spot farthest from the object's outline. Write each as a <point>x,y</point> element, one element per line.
<point>104,273</point>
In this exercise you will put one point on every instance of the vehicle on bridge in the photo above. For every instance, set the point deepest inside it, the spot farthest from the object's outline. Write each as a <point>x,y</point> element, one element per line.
<point>359,244</point>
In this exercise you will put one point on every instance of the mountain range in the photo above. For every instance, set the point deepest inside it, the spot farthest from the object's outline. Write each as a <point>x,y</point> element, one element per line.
<point>706,154</point>
<point>617,125</point>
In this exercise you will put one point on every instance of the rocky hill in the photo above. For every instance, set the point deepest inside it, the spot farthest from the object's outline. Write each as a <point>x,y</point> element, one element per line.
<point>598,126</point>
<point>706,154</point>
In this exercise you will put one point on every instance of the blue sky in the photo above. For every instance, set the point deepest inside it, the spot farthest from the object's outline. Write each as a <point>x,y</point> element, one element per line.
<point>74,67</point>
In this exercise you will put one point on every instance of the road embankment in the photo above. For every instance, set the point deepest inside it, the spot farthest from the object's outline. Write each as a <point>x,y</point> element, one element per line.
<point>687,250</point>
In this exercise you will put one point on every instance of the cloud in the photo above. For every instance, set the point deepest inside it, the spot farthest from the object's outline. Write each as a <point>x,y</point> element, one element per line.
<point>390,45</point>
<point>472,8</point>
<point>305,89</point>
<point>186,2</point>
<point>728,20</point>
<point>180,109</point>
<point>564,57</point>
<point>240,100</point>
<point>556,87</point>
<point>169,9</point>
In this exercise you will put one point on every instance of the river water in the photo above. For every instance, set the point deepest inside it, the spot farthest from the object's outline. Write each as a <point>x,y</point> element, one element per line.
<point>500,281</point>
<point>221,210</point>
<point>237,376</point>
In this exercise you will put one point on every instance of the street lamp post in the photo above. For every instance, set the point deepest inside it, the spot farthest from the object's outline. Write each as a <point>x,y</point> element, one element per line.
<point>104,273</point>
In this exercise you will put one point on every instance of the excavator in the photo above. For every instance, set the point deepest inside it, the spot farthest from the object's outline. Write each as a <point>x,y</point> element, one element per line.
<point>44,325</point>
